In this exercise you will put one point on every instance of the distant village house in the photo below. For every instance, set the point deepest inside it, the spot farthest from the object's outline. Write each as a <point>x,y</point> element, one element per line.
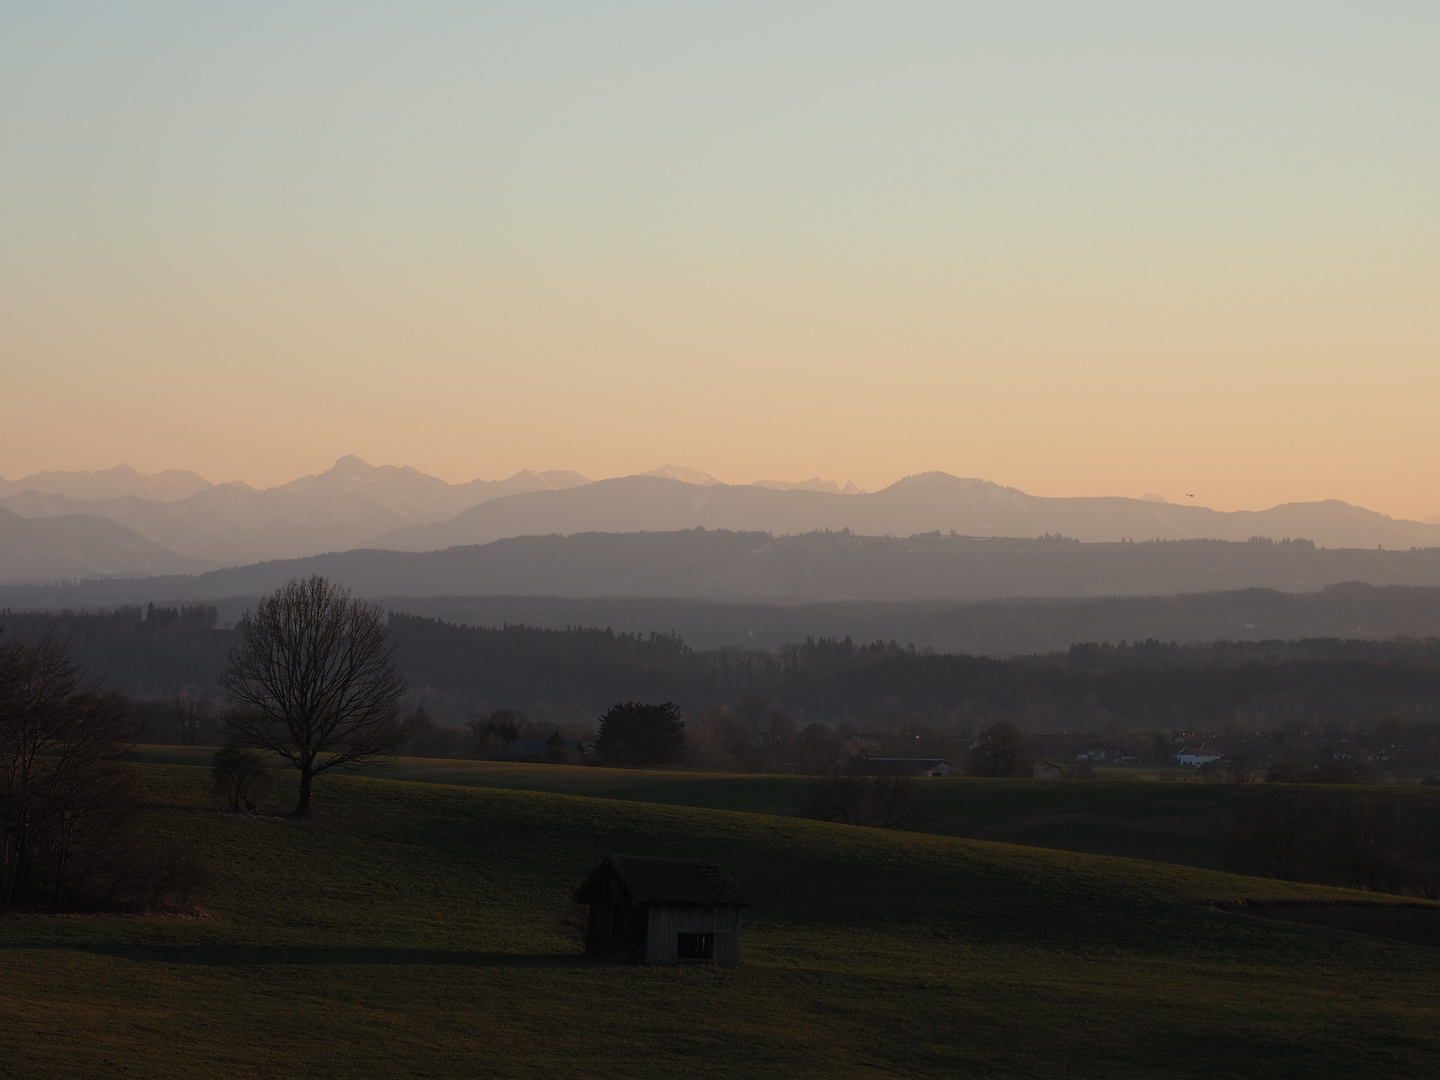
<point>1202,756</point>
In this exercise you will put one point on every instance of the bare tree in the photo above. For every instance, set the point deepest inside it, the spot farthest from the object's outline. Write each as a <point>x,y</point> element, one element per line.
<point>72,833</point>
<point>185,715</point>
<point>817,748</point>
<point>239,776</point>
<point>1281,831</point>
<point>493,735</point>
<point>314,681</point>
<point>777,726</point>
<point>1241,769</point>
<point>715,738</point>
<point>1000,751</point>
<point>752,711</point>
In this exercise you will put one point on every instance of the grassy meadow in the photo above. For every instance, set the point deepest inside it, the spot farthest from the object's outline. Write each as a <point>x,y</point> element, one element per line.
<point>1190,823</point>
<point>415,929</point>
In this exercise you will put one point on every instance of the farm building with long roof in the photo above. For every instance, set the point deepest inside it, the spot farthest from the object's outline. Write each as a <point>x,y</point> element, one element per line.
<point>662,911</point>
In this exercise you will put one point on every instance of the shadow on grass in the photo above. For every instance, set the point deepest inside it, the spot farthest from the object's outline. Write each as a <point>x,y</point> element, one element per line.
<point>1413,925</point>
<point>240,955</point>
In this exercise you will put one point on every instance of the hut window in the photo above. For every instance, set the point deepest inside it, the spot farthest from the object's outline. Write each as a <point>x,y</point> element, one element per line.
<point>695,947</point>
<point>617,920</point>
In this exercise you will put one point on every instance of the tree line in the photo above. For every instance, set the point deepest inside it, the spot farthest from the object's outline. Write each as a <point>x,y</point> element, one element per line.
<point>572,675</point>
<point>578,672</point>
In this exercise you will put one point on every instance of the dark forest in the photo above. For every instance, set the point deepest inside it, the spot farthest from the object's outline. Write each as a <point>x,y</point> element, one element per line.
<point>576,674</point>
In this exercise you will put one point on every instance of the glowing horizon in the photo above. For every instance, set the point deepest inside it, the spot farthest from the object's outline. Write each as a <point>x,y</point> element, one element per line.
<point>1109,251</point>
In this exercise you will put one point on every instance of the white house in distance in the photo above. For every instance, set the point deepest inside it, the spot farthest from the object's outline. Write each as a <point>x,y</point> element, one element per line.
<point>1201,756</point>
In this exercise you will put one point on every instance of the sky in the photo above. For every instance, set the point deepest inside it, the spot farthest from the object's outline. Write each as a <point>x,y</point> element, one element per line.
<point>1080,249</point>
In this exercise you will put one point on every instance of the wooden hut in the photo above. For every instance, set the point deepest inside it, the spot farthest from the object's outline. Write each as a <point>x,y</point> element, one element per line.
<point>1049,769</point>
<point>662,911</point>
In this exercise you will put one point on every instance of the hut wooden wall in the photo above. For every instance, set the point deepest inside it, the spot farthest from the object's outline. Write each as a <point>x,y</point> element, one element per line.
<point>668,921</point>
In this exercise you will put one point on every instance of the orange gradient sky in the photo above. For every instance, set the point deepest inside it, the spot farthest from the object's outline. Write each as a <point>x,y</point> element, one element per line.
<point>1107,249</point>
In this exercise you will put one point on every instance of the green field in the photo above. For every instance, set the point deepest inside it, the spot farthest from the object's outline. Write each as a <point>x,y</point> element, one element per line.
<point>418,930</point>
<point>1190,823</point>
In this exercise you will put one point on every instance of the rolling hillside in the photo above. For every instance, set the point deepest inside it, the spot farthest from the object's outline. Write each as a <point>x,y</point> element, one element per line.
<point>414,929</point>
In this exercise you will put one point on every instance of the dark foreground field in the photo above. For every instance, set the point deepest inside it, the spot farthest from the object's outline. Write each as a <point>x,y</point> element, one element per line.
<point>417,930</point>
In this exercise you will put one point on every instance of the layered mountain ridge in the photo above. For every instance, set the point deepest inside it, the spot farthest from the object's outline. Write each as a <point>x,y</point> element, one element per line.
<point>81,546</point>
<point>929,502</point>
<point>344,507</point>
<point>176,522</point>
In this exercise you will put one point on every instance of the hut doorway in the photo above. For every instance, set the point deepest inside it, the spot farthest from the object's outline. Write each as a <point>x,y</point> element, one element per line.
<point>695,947</point>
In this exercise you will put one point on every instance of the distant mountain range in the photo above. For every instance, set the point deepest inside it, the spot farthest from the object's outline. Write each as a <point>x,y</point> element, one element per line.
<point>930,502</point>
<point>120,521</point>
<point>120,482</point>
<point>75,546</point>
<point>345,507</point>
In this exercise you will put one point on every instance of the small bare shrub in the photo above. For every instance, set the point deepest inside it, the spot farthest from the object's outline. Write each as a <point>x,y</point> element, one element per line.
<point>1240,769</point>
<point>883,802</point>
<point>171,873</point>
<point>1284,833</point>
<point>240,777</point>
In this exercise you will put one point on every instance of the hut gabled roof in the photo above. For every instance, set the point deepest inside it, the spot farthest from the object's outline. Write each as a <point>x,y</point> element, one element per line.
<point>666,881</point>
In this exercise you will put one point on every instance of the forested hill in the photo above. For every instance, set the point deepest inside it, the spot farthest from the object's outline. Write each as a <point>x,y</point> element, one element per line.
<point>575,674</point>
<point>578,672</point>
<point>1011,627</point>
<point>813,567</point>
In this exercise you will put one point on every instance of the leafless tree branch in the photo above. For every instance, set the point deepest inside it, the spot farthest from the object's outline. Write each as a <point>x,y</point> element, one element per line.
<point>314,681</point>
